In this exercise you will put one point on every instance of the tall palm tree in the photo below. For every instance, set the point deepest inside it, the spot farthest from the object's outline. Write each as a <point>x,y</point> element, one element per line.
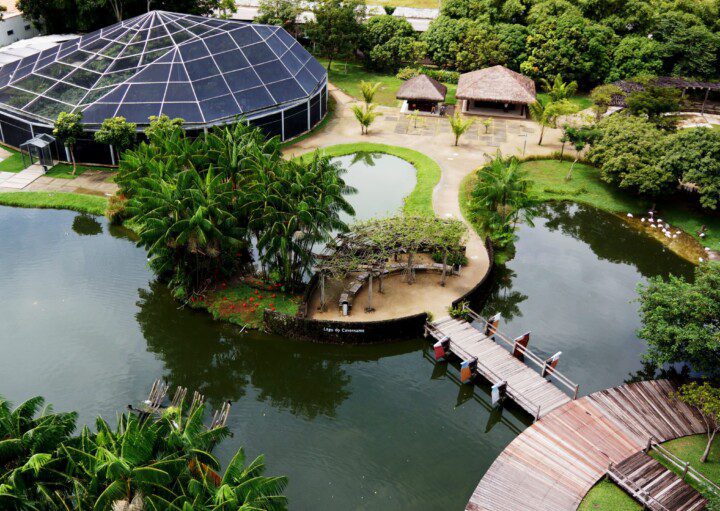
<point>368,91</point>
<point>546,113</point>
<point>558,89</point>
<point>459,126</point>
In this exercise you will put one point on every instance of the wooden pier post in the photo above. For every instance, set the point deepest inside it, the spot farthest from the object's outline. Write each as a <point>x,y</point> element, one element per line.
<point>498,392</point>
<point>523,341</point>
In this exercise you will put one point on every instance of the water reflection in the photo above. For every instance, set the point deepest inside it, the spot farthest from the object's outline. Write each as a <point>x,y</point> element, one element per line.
<point>86,225</point>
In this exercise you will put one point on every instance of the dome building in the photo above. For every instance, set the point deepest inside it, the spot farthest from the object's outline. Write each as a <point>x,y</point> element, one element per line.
<point>206,71</point>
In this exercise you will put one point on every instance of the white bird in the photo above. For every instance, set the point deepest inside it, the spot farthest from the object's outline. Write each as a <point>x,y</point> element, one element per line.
<point>642,219</point>
<point>653,226</point>
<point>701,259</point>
<point>667,226</point>
<point>707,249</point>
<point>652,220</point>
<point>674,236</point>
<point>630,215</point>
<point>660,220</point>
<point>702,234</point>
<point>677,232</point>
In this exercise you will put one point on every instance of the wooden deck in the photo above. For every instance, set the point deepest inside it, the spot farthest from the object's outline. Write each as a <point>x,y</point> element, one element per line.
<point>555,462</point>
<point>531,391</point>
<point>654,486</point>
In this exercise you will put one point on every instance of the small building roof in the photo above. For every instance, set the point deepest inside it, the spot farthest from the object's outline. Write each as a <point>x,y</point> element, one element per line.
<point>496,83</point>
<point>422,87</point>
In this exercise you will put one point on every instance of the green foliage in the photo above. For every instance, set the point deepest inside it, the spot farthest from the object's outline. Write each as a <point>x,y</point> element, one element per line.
<point>559,90</point>
<point>706,399</point>
<point>627,152</point>
<point>693,155</point>
<point>441,75</point>
<point>337,28</point>
<point>380,29</point>
<point>681,319</point>
<point>117,132</point>
<point>443,38</point>
<point>68,128</point>
<point>546,112</point>
<point>368,91</point>
<point>460,312</point>
<point>606,496</point>
<point>689,47</point>
<point>365,115</point>
<point>154,462</point>
<point>601,96</point>
<point>163,127</point>
<point>389,42</point>
<point>459,125</point>
<point>655,103</point>
<point>636,56</point>
<point>453,258</point>
<point>501,198</point>
<point>283,13</point>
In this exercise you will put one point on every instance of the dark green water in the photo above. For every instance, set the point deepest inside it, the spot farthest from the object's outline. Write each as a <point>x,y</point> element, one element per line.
<point>84,324</point>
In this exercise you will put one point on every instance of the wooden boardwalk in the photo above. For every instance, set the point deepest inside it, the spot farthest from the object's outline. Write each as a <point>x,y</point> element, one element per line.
<point>654,486</point>
<point>555,462</point>
<point>526,386</point>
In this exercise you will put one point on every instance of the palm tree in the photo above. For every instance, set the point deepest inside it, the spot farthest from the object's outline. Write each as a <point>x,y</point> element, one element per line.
<point>459,126</point>
<point>501,196</point>
<point>368,91</point>
<point>365,115</point>
<point>546,112</point>
<point>558,89</point>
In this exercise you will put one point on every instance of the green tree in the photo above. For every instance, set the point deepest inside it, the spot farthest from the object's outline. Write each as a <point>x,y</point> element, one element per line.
<point>368,91</point>
<point>627,152</point>
<point>481,47</point>
<point>443,38</point>
<point>693,156</point>
<point>655,103</point>
<point>501,197</point>
<point>602,97</point>
<point>636,56</point>
<point>571,46</point>
<point>559,90</point>
<point>459,125</point>
<point>163,127</point>
<point>68,128</point>
<point>681,319</point>
<point>580,138</point>
<point>337,28</point>
<point>380,29</point>
<point>513,44</point>
<point>690,48</point>
<point>396,53</point>
<point>283,13</point>
<point>705,398</point>
<point>117,133</point>
<point>365,115</point>
<point>546,112</point>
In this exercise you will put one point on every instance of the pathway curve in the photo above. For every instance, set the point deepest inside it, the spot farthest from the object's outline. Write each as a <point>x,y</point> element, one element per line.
<point>556,461</point>
<point>433,138</point>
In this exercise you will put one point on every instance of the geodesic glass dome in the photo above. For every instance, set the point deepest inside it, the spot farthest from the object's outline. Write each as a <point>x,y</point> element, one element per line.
<point>207,71</point>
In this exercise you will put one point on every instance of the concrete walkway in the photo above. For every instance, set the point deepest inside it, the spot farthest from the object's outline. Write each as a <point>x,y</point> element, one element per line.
<point>20,180</point>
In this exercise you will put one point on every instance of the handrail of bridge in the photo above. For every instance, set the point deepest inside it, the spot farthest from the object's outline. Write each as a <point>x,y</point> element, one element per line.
<point>622,479</point>
<point>682,465</point>
<point>528,354</point>
<point>514,395</point>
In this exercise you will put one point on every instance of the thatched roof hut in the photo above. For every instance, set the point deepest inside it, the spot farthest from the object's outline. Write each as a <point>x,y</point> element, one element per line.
<point>496,84</point>
<point>422,88</point>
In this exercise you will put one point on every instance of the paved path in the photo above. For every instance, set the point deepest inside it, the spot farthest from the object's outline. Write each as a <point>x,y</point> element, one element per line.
<point>20,180</point>
<point>433,138</point>
<point>556,461</point>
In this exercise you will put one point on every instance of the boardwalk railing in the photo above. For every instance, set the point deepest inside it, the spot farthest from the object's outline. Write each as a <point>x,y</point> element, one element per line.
<point>529,356</point>
<point>636,491</point>
<point>509,391</point>
<point>683,466</point>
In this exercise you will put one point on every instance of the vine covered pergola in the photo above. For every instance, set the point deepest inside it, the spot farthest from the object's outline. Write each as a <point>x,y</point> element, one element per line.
<point>373,246</point>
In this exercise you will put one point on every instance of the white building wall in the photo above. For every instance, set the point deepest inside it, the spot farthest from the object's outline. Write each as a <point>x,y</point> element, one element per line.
<point>14,27</point>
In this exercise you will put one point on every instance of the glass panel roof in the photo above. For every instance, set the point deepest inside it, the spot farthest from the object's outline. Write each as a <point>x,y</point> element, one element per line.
<point>201,69</point>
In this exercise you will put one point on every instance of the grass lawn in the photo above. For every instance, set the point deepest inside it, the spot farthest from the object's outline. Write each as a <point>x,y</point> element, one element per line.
<point>690,449</point>
<point>607,496</point>
<point>243,302</point>
<point>419,202</point>
<point>92,204</point>
<point>349,82</point>
<point>12,163</point>
<point>581,101</point>
<point>715,127</point>
<point>64,170</point>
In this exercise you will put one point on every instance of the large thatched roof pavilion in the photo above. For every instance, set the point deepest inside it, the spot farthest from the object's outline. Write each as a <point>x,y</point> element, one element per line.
<point>422,94</point>
<point>495,90</point>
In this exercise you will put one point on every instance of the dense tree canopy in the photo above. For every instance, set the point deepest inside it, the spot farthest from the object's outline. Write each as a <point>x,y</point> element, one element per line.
<point>390,42</point>
<point>681,319</point>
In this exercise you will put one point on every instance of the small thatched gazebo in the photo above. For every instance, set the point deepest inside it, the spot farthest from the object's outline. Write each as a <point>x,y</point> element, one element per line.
<point>422,94</point>
<point>495,90</point>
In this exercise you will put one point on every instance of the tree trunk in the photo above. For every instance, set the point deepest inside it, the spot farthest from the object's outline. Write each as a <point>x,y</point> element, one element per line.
<point>444,271</point>
<point>330,61</point>
<point>711,438</point>
<point>322,291</point>
<point>380,284</point>
<point>410,279</point>
<point>569,174</point>
<point>72,157</point>
<point>457,139</point>
<point>562,151</point>
<point>542,133</point>
<point>369,307</point>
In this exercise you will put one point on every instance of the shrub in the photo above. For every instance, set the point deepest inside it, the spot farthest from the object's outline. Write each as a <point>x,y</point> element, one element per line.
<point>441,75</point>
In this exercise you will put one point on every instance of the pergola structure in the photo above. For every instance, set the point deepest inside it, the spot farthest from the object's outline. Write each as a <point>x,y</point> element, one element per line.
<point>372,249</point>
<point>697,95</point>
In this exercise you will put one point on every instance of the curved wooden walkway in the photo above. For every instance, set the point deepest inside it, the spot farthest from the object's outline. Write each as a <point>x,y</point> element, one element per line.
<point>555,462</point>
